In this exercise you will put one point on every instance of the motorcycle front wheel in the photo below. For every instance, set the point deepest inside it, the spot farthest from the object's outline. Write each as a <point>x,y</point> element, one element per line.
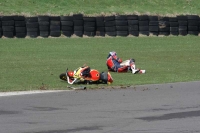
<point>63,76</point>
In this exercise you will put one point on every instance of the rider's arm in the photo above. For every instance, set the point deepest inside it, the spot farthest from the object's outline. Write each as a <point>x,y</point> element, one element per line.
<point>116,58</point>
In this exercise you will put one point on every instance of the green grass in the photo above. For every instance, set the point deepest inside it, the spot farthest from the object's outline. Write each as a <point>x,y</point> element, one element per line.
<point>94,7</point>
<point>31,64</point>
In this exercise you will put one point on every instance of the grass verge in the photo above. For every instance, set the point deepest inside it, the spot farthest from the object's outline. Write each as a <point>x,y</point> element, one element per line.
<point>31,64</point>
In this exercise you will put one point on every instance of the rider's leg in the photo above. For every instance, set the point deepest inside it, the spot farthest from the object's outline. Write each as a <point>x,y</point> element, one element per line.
<point>123,69</point>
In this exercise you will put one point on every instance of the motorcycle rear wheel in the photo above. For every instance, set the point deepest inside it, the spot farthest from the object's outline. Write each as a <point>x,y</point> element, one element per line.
<point>63,76</point>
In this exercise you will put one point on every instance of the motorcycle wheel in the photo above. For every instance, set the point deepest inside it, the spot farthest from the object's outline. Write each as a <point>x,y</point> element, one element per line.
<point>63,76</point>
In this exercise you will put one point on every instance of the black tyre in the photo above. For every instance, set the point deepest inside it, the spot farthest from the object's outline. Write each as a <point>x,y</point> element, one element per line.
<point>99,18</point>
<point>183,32</point>
<point>193,33</point>
<point>55,23</point>
<point>91,34</point>
<point>121,28</point>
<point>66,28</point>
<point>67,23</point>
<point>33,34</point>
<point>78,28</point>
<point>100,29</point>
<point>54,18</point>
<point>8,34</point>
<point>43,28</point>
<point>89,19</point>
<point>121,22</point>
<point>163,18</point>
<point>173,19</point>
<point>20,23</point>
<point>55,33</point>
<point>100,33</point>
<point>67,33</point>
<point>110,23</point>
<point>143,28</point>
<point>155,33</point>
<point>89,29</point>
<point>110,29</point>
<point>8,23</point>
<point>78,17</point>
<point>43,18</point>
<point>146,33</point>
<point>32,25</point>
<point>109,18</point>
<point>66,18</point>
<point>78,33</point>
<point>133,28</point>
<point>182,18</point>
<point>44,33</point>
<point>20,29</point>
<point>89,24</point>
<point>143,17</point>
<point>174,33</point>
<point>122,33</point>
<point>31,19</point>
<point>174,29</point>
<point>121,17</point>
<point>63,76</point>
<point>173,24</point>
<point>143,23</point>
<point>165,33</point>
<point>113,34</point>
<point>133,22</point>
<point>100,23</point>
<point>132,17</point>
<point>153,28</point>
<point>153,23</point>
<point>134,33</point>
<point>153,18</point>
<point>193,17</point>
<point>78,22</point>
<point>44,23</point>
<point>20,34</point>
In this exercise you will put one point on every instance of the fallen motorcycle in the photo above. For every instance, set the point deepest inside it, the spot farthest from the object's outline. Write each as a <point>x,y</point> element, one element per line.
<point>85,75</point>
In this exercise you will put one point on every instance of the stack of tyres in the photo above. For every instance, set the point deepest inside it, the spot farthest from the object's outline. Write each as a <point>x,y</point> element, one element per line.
<point>183,23</point>
<point>143,25</point>
<point>121,25</point>
<point>89,26</point>
<point>164,27</point>
<point>78,25</point>
<point>173,23</point>
<point>110,26</point>
<point>100,26</point>
<point>133,25</point>
<point>8,26</point>
<point>0,28</point>
<point>199,24</point>
<point>67,25</point>
<point>193,24</point>
<point>32,27</point>
<point>44,25</point>
<point>20,26</point>
<point>55,27</point>
<point>153,25</point>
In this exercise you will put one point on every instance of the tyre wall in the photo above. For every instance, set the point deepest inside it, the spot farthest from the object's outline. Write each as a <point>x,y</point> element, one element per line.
<point>80,25</point>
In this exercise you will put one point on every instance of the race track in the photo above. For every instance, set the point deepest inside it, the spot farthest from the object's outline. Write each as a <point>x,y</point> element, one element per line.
<point>166,108</point>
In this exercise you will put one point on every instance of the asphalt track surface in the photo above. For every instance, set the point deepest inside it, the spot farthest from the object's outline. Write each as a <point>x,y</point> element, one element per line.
<point>161,108</point>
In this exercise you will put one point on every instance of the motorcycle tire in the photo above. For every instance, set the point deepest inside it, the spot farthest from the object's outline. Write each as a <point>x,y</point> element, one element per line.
<point>63,76</point>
